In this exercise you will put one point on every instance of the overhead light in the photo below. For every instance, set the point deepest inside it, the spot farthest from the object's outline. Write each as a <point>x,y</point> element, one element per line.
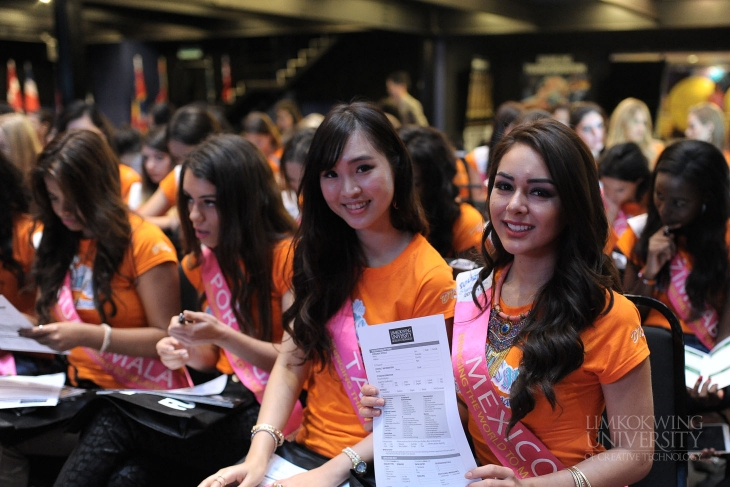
<point>45,1</point>
<point>692,59</point>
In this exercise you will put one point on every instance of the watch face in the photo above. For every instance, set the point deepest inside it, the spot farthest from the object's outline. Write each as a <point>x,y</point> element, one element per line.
<point>361,468</point>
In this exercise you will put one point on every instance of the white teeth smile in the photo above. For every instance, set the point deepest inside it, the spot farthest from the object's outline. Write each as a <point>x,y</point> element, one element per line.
<point>519,228</point>
<point>356,206</point>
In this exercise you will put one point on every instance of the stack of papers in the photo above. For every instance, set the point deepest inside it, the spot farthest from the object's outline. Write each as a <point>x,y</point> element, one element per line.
<point>12,320</point>
<point>26,391</point>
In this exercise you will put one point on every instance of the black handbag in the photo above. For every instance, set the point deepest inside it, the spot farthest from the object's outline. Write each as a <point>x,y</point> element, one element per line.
<point>307,459</point>
<point>155,411</point>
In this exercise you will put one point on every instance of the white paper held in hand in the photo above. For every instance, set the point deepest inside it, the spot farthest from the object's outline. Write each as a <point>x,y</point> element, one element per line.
<point>418,440</point>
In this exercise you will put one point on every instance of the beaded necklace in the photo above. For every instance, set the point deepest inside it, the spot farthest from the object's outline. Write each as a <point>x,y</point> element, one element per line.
<point>503,329</point>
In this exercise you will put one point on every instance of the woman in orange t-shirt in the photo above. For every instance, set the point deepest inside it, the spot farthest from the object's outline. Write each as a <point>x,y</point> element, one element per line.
<point>455,229</point>
<point>624,174</point>
<point>261,131</point>
<point>678,251</point>
<point>230,212</point>
<point>551,343</point>
<point>360,259</point>
<point>120,271</point>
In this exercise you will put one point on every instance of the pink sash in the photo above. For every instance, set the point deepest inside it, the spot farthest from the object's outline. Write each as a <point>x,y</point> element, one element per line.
<point>7,363</point>
<point>346,355</point>
<point>620,224</point>
<point>132,372</point>
<point>705,326</point>
<point>522,451</point>
<point>219,299</point>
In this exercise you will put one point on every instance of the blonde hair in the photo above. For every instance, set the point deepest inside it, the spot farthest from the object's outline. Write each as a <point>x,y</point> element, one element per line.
<point>21,142</point>
<point>620,118</point>
<point>710,113</point>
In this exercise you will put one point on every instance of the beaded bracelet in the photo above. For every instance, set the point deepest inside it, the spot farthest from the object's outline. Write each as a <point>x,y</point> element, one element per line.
<point>579,477</point>
<point>275,433</point>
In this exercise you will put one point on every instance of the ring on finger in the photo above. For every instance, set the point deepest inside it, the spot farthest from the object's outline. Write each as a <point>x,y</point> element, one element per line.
<point>40,327</point>
<point>221,480</point>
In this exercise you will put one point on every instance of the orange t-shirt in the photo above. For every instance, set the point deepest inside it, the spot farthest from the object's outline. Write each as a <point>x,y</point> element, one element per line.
<point>128,177</point>
<point>467,229</point>
<point>23,253</point>
<point>417,283</point>
<point>614,345</point>
<point>149,248</point>
<point>281,273</point>
<point>274,160</point>
<point>626,245</point>
<point>169,184</point>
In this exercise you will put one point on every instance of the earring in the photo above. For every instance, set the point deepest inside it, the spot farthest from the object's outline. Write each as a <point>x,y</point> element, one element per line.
<point>395,205</point>
<point>704,207</point>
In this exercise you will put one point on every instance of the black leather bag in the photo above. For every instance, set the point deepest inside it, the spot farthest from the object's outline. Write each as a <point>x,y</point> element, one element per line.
<point>167,415</point>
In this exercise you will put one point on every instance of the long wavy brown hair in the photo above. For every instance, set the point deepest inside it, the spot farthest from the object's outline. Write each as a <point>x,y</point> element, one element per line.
<point>87,172</point>
<point>252,220</point>
<point>579,289</point>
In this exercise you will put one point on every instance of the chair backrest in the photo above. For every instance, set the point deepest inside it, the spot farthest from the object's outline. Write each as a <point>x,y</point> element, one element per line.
<point>670,411</point>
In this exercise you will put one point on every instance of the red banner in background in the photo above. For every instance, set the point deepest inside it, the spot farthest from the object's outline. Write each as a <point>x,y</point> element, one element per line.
<point>162,75</point>
<point>14,96</point>
<point>137,120</point>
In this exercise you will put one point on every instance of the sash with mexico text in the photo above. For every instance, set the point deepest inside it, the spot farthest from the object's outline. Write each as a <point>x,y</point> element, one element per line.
<point>219,299</point>
<point>132,372</point>
<point>522,451</point>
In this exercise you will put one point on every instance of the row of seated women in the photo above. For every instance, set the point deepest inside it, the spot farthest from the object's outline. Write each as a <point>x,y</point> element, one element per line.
<point>540,313</point>
<point>117,277</point>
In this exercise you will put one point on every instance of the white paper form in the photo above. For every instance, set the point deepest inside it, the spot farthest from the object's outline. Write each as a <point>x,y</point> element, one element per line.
<point>280,469</point>
<point>12,320</point>
<point>419,439</point>
<point>19,391</point>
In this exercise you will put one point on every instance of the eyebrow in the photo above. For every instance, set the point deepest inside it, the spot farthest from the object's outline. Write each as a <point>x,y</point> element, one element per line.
<point>364,157</point>
<point>531,181</point>
<point>201,196</point>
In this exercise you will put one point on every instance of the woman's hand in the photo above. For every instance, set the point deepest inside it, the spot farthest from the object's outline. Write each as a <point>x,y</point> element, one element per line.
<point>244,475</point>
<point>199,329</point>
<point>172,353</point>
<point>707,394</point>
<point>370,404</point>
<point>65,335</point>
<point>661,250</point>
<point>494,475</point>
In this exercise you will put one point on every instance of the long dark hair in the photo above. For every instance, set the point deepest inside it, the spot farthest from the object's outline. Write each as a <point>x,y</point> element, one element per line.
<point>703,166</point>
<point>576,293</point>
<point>434,157</point>
<point>14,202</point>
<point>77,109</point>
<point>251,220</point>
<point>87,172</point>
<point>191,124</point>
<point>328,259</point>
<point>157,140</point>
<point>626,162</point>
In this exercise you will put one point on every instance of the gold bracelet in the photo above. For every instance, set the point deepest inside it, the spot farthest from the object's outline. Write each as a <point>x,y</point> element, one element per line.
<point>275,433</point>
<point>577,480</point>
<point>579,477</point>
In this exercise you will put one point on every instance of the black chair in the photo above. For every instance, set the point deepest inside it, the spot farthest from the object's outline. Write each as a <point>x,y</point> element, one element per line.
<point>670,395</point>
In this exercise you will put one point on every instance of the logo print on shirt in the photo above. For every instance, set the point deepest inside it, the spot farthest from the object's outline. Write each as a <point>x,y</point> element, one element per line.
<point>81,283</point>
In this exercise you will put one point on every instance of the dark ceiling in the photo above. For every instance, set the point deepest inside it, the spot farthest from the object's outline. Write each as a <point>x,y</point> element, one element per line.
<point>169,20</point>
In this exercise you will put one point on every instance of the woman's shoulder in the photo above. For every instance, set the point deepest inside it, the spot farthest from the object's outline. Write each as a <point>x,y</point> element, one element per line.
<point>620,317</point>
<point>148,242</point>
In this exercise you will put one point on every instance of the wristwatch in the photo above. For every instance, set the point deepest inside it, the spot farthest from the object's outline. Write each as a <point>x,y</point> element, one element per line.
<point>358,465</point>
